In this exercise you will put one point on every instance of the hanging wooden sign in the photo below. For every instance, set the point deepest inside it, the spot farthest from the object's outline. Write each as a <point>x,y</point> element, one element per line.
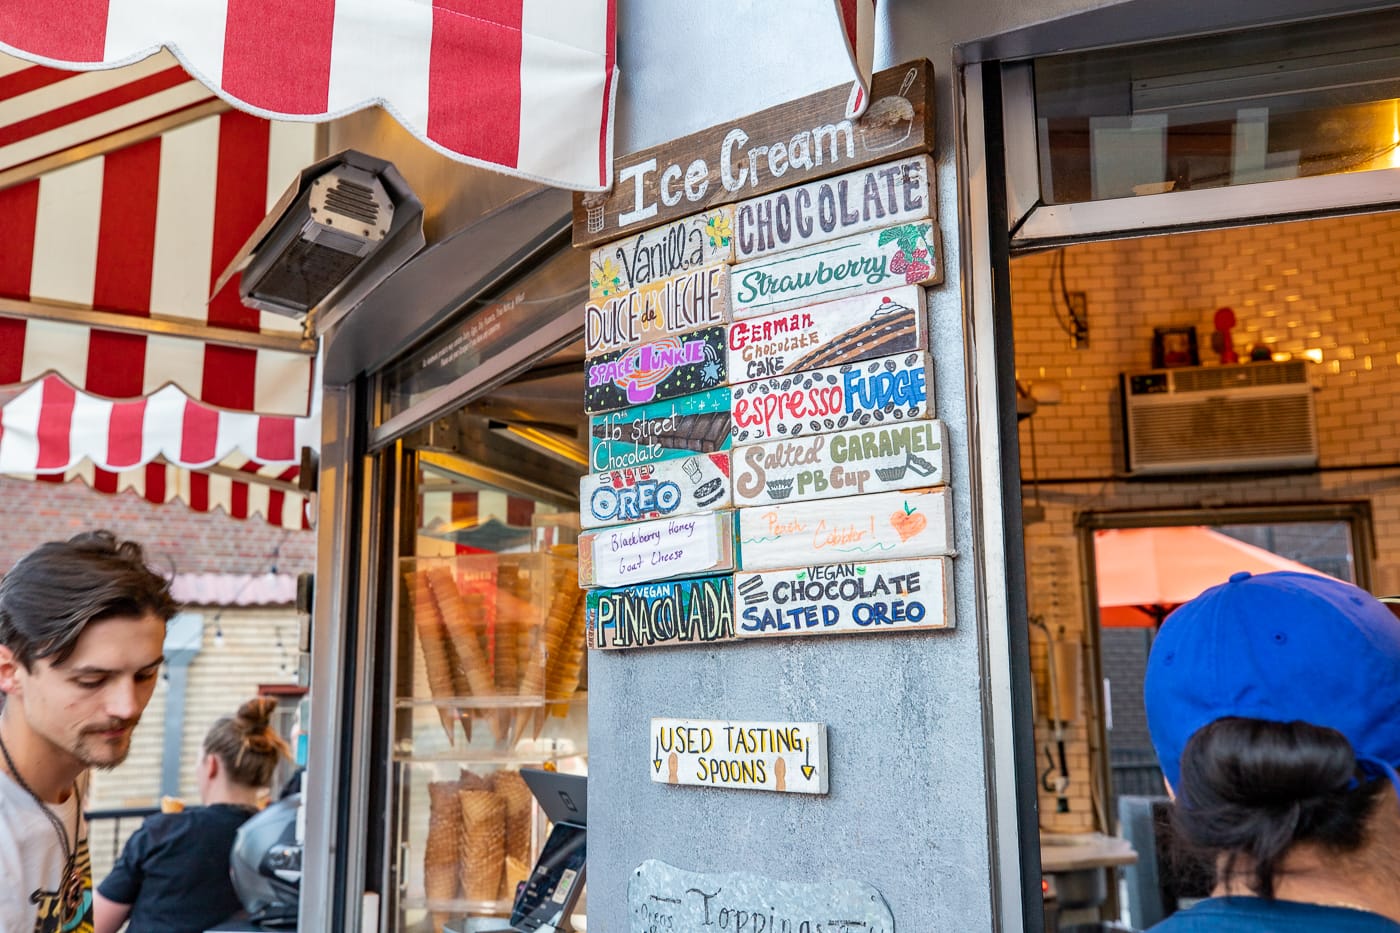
<point>669,430</point>
<point>655,490</point>
<point>885,526</point>
<point>831,208</point>
<point>669,368</point>
<point>663,549</point>
<point>881,391</point>
<point>651,255</point>
<point>846,331</point>
<point>677,305</point>
<point>789,757</point>
<point>681,612</point>
<point>790,144</point>
<point>907,254</point>
<point>840,599</point>
<point>849,463</point>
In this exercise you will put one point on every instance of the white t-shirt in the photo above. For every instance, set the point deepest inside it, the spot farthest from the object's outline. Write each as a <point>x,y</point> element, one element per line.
<point>31,864</point>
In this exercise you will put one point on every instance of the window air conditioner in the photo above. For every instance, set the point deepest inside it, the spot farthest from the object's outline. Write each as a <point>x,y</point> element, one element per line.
<point>1256,416</point>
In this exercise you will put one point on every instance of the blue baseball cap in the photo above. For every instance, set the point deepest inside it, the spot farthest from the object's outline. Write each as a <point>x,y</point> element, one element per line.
<point>1282,647</point>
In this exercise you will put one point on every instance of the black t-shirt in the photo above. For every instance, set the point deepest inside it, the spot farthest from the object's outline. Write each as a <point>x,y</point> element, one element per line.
<point>174,870</point>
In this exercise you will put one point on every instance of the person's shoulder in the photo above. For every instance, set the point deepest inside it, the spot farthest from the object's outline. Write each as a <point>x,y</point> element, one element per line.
<point>1257,915</point>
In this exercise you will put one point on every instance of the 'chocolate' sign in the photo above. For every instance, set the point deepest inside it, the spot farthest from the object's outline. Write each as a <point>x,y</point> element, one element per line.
<point>655,490</point>
<point>840,599</point>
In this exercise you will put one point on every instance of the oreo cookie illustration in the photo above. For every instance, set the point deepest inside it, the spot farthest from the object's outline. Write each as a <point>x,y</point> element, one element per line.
<point>710,492</point>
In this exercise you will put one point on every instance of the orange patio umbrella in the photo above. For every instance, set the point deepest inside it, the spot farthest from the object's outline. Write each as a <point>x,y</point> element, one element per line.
<point>1145,573</point>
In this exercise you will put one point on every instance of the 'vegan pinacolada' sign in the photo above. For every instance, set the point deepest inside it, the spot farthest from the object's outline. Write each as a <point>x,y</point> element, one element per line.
<point>692,424</point>
<point>880,391</point>
<point>831,208</point>
<point>684,302</point>
<point>850,463</point>
<point>663,549</point>
<point>885,526</point>
<point>661,252</point>
<point>655,490</point>
<point>906,254</point>
<point>788,757</point>
<point>669,368</point>
<point>840,599</point>
<point>846,331</point>
<point>792,143</point>
<point>680,612</point>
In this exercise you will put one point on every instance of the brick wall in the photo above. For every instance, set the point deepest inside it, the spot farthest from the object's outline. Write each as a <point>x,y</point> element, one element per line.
<point>1331,287</point>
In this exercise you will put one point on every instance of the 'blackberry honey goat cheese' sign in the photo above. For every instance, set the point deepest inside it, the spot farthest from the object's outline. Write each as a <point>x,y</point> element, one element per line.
<point>683,546</point>
<point>789,757</point>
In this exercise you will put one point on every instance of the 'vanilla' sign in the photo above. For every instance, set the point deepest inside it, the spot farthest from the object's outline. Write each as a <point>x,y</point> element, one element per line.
<point>684,546</point>
<point>788,757</point>
<point>842,599</point>
<point>689,243</point>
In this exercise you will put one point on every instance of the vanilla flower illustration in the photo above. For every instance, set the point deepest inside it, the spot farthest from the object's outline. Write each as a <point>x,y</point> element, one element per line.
<point>718,229</point>
<point>606,280</point>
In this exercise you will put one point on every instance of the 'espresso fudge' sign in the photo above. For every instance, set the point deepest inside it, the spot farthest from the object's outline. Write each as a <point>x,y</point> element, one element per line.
<point>669,368</point>
<point>829,334</point>
<point>655,490</point>
<point>680,612</point>
<point>661,252</point>
<point>840,599</point>
<point>692,424</point>
<point>855,395</point>
<point>684,546</point>
<point>850,463</point>
<point>789,757</point>
<point>885,526</point>
<point>684,302</point>
<point>790,144</point>
<point>831,208</point>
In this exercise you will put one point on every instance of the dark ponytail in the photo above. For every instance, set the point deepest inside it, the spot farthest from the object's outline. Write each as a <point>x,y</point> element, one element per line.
<point>247,744</point>
<point>1253,789</point>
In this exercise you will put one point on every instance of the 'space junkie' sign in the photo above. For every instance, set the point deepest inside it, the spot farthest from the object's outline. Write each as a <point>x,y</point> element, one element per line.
<point>840,599</point>
<point>789,757</point>
<point>654,372</point>
<point>655,490</point>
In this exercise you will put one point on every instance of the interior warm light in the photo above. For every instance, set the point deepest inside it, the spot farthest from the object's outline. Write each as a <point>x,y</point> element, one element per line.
<point>549,442</point>
<point>1281,356</point>
<point>1395,133</point>
<point>1314,354</point>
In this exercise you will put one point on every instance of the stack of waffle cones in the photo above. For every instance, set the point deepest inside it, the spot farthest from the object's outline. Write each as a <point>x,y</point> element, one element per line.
<point>438,656</point>
<point>515,794</point>
<point>441,854</point>
<point>482,843</point>
<point>472,673</point>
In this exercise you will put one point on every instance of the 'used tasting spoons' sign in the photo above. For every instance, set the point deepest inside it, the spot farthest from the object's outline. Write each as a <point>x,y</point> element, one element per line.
<point>789,757</point>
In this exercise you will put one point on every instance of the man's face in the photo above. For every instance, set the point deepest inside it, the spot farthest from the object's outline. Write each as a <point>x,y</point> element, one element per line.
<point>87,706</point>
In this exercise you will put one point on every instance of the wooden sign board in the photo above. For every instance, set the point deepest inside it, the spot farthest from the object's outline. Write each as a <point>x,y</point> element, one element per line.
<point>846,331</point>
<point>831,208</point>
<point>681,612</point>
<point>789,757</point>
<point>692,424</point>
<point>663,549</point>
<point>851,463</point>
<point>885,526</point>
<point>790,144</point>
<point>881,391</point>
<point>661,252</point>
<point>841,599</point>
<point>669,368</point>
<point>675,305</point>
<point>655,490</point>
<point>906,254</point>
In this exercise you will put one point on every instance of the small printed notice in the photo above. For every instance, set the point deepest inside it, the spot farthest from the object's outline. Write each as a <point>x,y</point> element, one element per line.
<point>841,599</point>
<point>891,389</point>
<point>669,430</point>
<point>788,757</point>
<point>685,546</point>
<point>664,899</point>
<point>684,302</point>
<point>906,254</point>
<point>655,490</point>
<point>661,252</point>
<point>885,526</point>
<point>847,331</point>
<point>680,612</point>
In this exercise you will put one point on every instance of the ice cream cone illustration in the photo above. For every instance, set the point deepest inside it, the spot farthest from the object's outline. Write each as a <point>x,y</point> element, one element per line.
<point>673,768</point>
<point>780,773</point>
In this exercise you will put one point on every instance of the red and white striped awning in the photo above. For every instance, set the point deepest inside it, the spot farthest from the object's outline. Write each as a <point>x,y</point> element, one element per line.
<point>164,447</point>
<point>520,86</point>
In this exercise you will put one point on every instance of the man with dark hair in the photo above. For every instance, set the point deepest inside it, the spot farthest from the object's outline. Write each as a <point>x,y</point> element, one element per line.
<point>82,623</point>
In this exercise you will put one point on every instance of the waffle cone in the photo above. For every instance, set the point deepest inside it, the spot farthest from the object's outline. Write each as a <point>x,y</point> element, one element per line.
<point>515,795</point>
<point>482,842</point>
<point>437,653</point>
<point>461,632</point>
<point>440,853</point>
<point>516,871</point>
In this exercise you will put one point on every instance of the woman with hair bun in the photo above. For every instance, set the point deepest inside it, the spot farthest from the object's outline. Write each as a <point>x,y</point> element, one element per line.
<point>1274,706</point>
<point>173,874</point>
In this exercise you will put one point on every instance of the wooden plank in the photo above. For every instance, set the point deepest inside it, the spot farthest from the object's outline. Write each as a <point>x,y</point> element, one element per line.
<point>886,526</point>
<point>663,549</point>
<point>831,208</point>
<point>881,391</point>
<point>840,599</point>
<point>789,757</point>
<point>851,463</point>
<point>845,331</point>
<point>655,490</point>
<point>790,144</point>
<point>655,372</point>
<point>670,430</point>
<point>651,255</point>
<point>906,254</point>
<point>680,612</point>
<point>676,305</point>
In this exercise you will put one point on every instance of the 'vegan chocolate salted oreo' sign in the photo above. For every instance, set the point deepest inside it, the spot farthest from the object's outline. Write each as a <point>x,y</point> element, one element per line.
<point>839,599</point>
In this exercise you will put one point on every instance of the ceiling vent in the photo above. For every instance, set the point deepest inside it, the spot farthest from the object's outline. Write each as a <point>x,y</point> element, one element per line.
<point>1256,416</point>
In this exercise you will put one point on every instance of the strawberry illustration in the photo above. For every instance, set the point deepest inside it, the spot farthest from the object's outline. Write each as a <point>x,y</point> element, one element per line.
<point>899,262</point>
<point>920,254</point>
<point>917,272</point>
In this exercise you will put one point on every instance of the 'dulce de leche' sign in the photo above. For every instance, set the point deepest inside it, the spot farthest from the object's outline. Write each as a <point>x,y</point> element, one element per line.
<point>842,599</point>
<point>788,757</point>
